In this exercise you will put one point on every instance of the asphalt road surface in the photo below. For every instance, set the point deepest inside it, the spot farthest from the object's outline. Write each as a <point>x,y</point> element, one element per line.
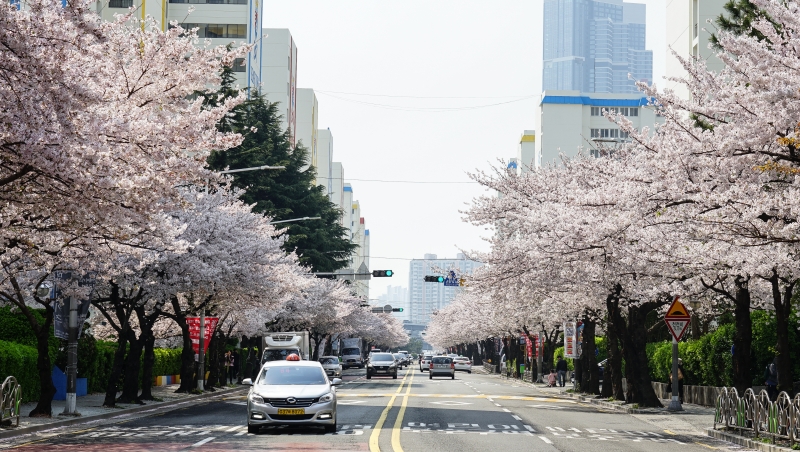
<point>413,413</point>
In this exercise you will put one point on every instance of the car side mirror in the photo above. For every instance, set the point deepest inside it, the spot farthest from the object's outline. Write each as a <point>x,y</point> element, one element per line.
<point>336,382</point>
<point>247,381</point>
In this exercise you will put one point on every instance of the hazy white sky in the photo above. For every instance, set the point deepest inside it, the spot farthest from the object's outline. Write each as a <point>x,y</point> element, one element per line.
<point>423,80</point>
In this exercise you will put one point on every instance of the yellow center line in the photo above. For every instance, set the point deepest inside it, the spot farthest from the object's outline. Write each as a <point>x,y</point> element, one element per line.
<point>398,423</point>
<point>376,432</point>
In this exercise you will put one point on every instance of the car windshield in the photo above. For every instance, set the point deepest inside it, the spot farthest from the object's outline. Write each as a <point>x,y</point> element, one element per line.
<point>398,356</point>
<point>350,351</point>
<point>292,375</point>
<point>427,357</point>
<point>382,357</point>
<point>279,354</point>
<point>328,361</point>
<point>442,360</point>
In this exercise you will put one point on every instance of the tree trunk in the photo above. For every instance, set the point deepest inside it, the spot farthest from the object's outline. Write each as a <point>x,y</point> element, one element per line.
<point>637,368</point>
<point>591,375</point>
<point>44,406</point>
<point>328,346</point>
<point>612,373</point>
<point>742,338</point>
<point>133,361</point>
<point>188,364</point>
<point>783,309</point>
<point>116,371</point>
<point>148,361</point>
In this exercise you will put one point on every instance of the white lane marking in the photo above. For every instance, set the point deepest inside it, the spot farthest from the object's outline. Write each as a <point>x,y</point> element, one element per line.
<point>544,438</point>
<point>200,443</point>
<point>529,428</point>
<point>451,403</point>
<point>233,429</point>
<point>490,399</point>
<point>497,404</point>
<point>516,417</point>
<point>506,410</point>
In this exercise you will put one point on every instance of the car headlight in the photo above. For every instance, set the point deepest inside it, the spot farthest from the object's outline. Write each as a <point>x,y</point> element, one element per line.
<point>255,398</point>
<point>326,398</point>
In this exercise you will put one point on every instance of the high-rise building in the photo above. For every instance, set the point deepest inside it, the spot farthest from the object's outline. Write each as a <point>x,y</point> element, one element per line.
<point>526,153</point>
<point>222,23</point>
<point>685,35</point>
<point>337,185</point>
<point>427,297</point>
<point>396,296</point>
<point>307,122</point>
<point>325,159</point>
<point>279,74</point>
<point>592,46</point>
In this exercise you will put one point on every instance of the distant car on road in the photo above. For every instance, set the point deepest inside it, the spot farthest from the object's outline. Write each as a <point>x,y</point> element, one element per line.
<point>463,363</point>
<point>332,366</point>
<point>425,362</point>
<point>442,365</point>
<point>382,365</point>
<point>291,393</point>
<point>401,360</point>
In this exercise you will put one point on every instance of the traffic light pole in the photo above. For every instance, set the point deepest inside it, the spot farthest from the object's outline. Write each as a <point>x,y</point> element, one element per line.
<point>70,407</point>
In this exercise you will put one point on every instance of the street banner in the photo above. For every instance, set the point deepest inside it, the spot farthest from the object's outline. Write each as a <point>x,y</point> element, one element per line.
<point>61,303</point>
<point>194,332</point>
<point>529,347</point>
<point>570,340</point>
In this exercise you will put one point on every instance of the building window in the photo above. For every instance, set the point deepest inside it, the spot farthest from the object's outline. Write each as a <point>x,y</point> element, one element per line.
<point>120,3</point>
<point>239,65</point>
<point>634,112</point>
<point>235,31</point>
<point>595,111</point>
<point>214,2</point>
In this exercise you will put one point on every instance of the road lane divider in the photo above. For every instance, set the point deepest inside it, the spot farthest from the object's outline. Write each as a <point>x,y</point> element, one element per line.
<point>398,423</point>
<point>376,432</point>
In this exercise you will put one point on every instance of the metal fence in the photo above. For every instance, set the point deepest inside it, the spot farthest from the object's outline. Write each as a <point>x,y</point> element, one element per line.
<point>779,419</point>
<point>11,393</point>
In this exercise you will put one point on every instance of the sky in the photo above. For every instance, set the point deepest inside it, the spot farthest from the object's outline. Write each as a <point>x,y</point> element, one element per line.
<point>420,92</point>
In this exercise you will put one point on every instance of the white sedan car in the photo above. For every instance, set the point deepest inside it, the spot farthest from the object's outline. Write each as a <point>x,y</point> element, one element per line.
<point>291,393</point>
<point>464,364</point>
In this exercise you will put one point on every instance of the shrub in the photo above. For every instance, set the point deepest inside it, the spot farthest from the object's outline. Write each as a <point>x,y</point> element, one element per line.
<point>168,361</point>
<point>19,361</point>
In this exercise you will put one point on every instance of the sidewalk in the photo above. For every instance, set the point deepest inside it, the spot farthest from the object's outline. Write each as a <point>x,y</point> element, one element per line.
<point>91,409</point>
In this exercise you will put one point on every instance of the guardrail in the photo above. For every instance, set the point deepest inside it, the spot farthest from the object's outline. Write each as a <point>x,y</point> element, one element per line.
<point>10,400</point>
<point>758,414</point>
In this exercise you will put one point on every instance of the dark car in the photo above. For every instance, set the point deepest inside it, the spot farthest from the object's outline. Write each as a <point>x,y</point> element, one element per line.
<point>382,365</point>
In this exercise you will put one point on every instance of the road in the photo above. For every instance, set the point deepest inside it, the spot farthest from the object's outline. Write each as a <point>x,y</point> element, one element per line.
<point>413,413</point>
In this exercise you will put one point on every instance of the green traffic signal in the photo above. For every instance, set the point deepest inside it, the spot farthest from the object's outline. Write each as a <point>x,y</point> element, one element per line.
<point>382,273</point>
<point>436,279</point>
<point>397,309</point>
<point>388,273</point>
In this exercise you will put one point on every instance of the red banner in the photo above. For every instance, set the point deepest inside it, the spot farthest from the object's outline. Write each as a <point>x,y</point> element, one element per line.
<point>529,347</point>
<point>194,331</point>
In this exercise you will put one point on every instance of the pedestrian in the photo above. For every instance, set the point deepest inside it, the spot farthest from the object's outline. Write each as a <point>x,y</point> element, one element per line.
<point>228,363</point>
<point>561,368</point>
<point>771,379</point>
<point>234,366</point>
<point>681,373</point>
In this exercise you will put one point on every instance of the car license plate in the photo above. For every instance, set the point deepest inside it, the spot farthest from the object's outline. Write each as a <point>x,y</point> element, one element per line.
<point>291,411</point>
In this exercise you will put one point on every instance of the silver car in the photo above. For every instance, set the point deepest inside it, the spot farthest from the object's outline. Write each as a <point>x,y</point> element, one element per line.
<point>425,362</point>
<point>442,366</point>
<point>332,366</point>
<point>291,393</point>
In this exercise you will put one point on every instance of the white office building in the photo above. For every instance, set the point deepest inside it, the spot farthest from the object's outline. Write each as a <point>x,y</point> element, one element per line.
<point>397,297</point>
<point>526,152</point>
<point>325,159</point>
<point>307,122</point>
<point>279,74</point>
<point>686,20</point>
<point>221,21</point>
<point>568,121</point>
<point>424,298</point>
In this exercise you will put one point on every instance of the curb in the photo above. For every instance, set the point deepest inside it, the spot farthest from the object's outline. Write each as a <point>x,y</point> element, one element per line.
<point>612,406</point>
<point>157,407</point>
<point>745,442</point>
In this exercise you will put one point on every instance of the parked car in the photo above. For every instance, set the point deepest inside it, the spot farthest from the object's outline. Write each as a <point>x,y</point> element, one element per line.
<point>332,366</point>
<point>425,362</point>
<point>291,393</point>
<point>382,365</point>
<point>442,365</point>
<point>463,363</point>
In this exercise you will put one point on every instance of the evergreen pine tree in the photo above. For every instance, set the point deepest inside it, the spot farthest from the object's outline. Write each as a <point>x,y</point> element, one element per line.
<point>323,244</point>
<point>739,20</point>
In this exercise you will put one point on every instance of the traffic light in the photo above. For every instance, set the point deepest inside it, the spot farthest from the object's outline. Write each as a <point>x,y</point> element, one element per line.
<point>434,278</point>
<point>397,309</point>
<point>382,273</point>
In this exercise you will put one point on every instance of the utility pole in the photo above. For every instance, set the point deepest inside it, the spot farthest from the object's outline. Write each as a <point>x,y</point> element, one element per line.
<point>70,408</point>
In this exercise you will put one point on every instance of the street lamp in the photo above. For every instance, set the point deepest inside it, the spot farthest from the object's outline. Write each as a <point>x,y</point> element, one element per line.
<point>201,374</point>
<point>296,219</point>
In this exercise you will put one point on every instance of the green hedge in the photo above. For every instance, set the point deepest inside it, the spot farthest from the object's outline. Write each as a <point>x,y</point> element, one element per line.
<point>168,361</point>
<point>19,361</point>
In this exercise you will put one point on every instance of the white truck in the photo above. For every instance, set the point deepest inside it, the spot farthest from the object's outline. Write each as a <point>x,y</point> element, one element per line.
<point>352,353</point>
<point>277,346</point>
